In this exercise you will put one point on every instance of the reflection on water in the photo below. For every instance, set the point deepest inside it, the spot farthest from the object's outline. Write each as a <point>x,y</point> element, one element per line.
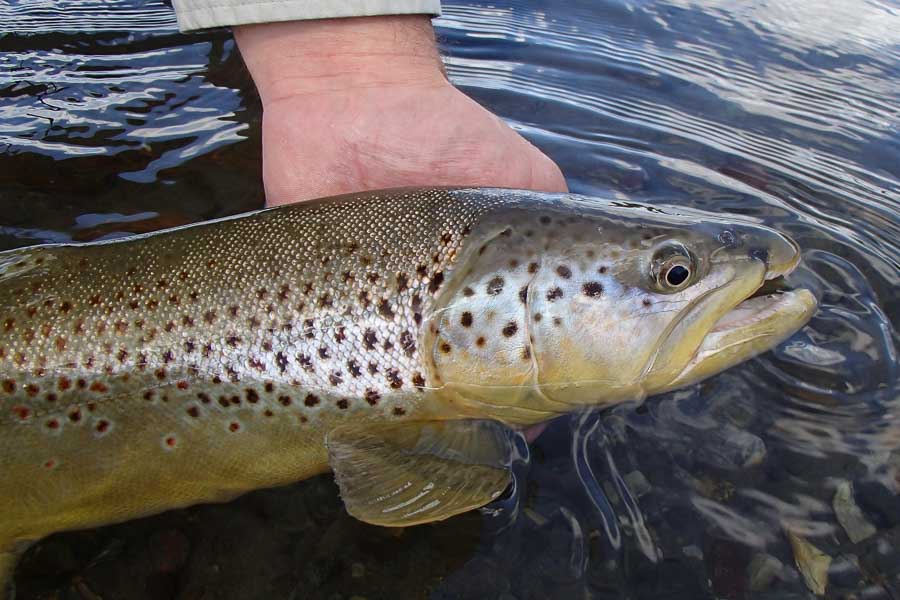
<point>111,122</point>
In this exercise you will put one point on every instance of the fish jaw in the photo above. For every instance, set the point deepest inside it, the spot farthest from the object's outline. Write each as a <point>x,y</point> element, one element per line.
<point>751,328</point>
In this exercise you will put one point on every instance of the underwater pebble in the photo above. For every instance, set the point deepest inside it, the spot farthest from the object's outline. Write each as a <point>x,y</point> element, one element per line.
<point>849,515</point>
<point>812,563</point>
<point>637,484</point>
<point>535,517</point>
<point>730,448</point>
<point>357,570</point>
<point>693,551</point>
<point>762,570</point>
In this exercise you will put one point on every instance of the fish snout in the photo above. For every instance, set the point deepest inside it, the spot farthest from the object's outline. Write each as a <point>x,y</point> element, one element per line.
<point>779,252</point>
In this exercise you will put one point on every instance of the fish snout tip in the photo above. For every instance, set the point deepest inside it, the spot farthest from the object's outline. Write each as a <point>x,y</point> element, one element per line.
<point>778,251</point>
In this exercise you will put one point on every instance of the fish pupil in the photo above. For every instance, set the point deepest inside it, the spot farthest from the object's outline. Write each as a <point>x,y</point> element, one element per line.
<point>677,275</point>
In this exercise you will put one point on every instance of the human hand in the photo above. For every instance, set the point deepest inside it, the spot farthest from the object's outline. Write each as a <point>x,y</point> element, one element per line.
<point>362,103</point>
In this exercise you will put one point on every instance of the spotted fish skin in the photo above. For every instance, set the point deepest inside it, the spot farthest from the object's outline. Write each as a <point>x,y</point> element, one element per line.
<point>198,363</point>
<point>195,364</point>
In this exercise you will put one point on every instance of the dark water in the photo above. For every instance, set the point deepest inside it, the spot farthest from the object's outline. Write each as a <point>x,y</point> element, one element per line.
<point>111,122</point>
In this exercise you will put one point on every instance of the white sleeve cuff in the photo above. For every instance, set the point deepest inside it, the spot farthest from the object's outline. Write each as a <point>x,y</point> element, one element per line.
<point>202,14</point>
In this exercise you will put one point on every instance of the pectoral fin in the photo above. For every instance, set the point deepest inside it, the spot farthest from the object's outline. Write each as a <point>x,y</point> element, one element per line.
<point>401,474</point>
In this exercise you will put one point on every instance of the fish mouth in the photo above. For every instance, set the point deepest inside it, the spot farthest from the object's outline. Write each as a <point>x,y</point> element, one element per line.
<point>764,319</point>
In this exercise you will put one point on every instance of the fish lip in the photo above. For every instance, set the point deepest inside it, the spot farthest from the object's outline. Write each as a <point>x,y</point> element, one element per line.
<point>770,317</point>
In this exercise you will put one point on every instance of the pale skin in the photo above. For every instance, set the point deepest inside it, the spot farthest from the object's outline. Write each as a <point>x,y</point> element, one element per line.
<point>363,103</point>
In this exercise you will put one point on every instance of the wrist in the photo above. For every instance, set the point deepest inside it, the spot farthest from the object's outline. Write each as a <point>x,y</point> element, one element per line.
<point>298,58</point>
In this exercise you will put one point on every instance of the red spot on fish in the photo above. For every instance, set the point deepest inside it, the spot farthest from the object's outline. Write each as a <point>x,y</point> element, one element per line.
<point>9,386</point>
<point>53,424</point>
<point>50,464</point>
<point>98,386</point>
<point>182,385</point>
<point>171,442</point>
<point>32,389</point>
<point>102,426</point>
<point>234,426</point>
<point>22,412</point>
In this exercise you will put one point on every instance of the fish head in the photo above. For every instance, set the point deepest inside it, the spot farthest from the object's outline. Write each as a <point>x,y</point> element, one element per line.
<point>602,305</point>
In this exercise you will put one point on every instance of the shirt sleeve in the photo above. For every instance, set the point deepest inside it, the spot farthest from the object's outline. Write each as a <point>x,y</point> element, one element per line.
<point>201,14</point>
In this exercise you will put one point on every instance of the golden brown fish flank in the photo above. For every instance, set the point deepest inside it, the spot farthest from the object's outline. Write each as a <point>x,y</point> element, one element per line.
<point>363,333</point>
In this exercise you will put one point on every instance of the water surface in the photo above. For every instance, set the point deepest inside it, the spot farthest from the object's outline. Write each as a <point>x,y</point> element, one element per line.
<point>111,122</point>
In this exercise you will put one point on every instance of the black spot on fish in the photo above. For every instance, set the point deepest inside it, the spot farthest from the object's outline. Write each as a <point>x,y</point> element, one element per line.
<point>324,353</point>
<point>372,368</point>
<point>336,378</point>
<point>393,376</point>
<point>468,292</point>
<point>523,294</point>
<point>282,362</point>
<point>494,286</point>
<point>402,282</point>
<point>369,339</point>
<point>436,282</point>
<point>418,380</point>
<point>372,396</point>
<point>554,294</point>
<point>592,289</point>
<point>305,362</point>
<point>407,343</point>
<point>353,368</point>
<point>466,319</point>
<point>564,271</point>
<point>510,329</point>
<point>343,403</point>
<point>311,400</point>
<point>384,309</point>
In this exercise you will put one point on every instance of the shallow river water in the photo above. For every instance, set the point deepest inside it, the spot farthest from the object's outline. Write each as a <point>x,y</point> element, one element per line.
<point>111,122</point>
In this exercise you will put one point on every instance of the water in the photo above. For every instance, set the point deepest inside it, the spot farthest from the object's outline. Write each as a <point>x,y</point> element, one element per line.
<point>111,122</point>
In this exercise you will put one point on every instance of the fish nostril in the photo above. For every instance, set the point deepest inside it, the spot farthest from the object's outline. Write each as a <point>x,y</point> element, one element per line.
<point>728,238</point>
<point>760,254</point>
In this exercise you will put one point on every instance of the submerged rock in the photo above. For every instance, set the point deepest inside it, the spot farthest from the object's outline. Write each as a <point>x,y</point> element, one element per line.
<point>849,515</point>
<point>637,484</point>
<point>812,563</point>
<point>730,448</point>
<point>762,570</point>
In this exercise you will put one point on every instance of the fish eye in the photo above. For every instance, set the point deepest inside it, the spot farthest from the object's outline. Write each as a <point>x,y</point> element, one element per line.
<point>672,268</point>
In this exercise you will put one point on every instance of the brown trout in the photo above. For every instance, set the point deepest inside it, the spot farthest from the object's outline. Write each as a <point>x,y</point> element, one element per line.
<point>391,336</point>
